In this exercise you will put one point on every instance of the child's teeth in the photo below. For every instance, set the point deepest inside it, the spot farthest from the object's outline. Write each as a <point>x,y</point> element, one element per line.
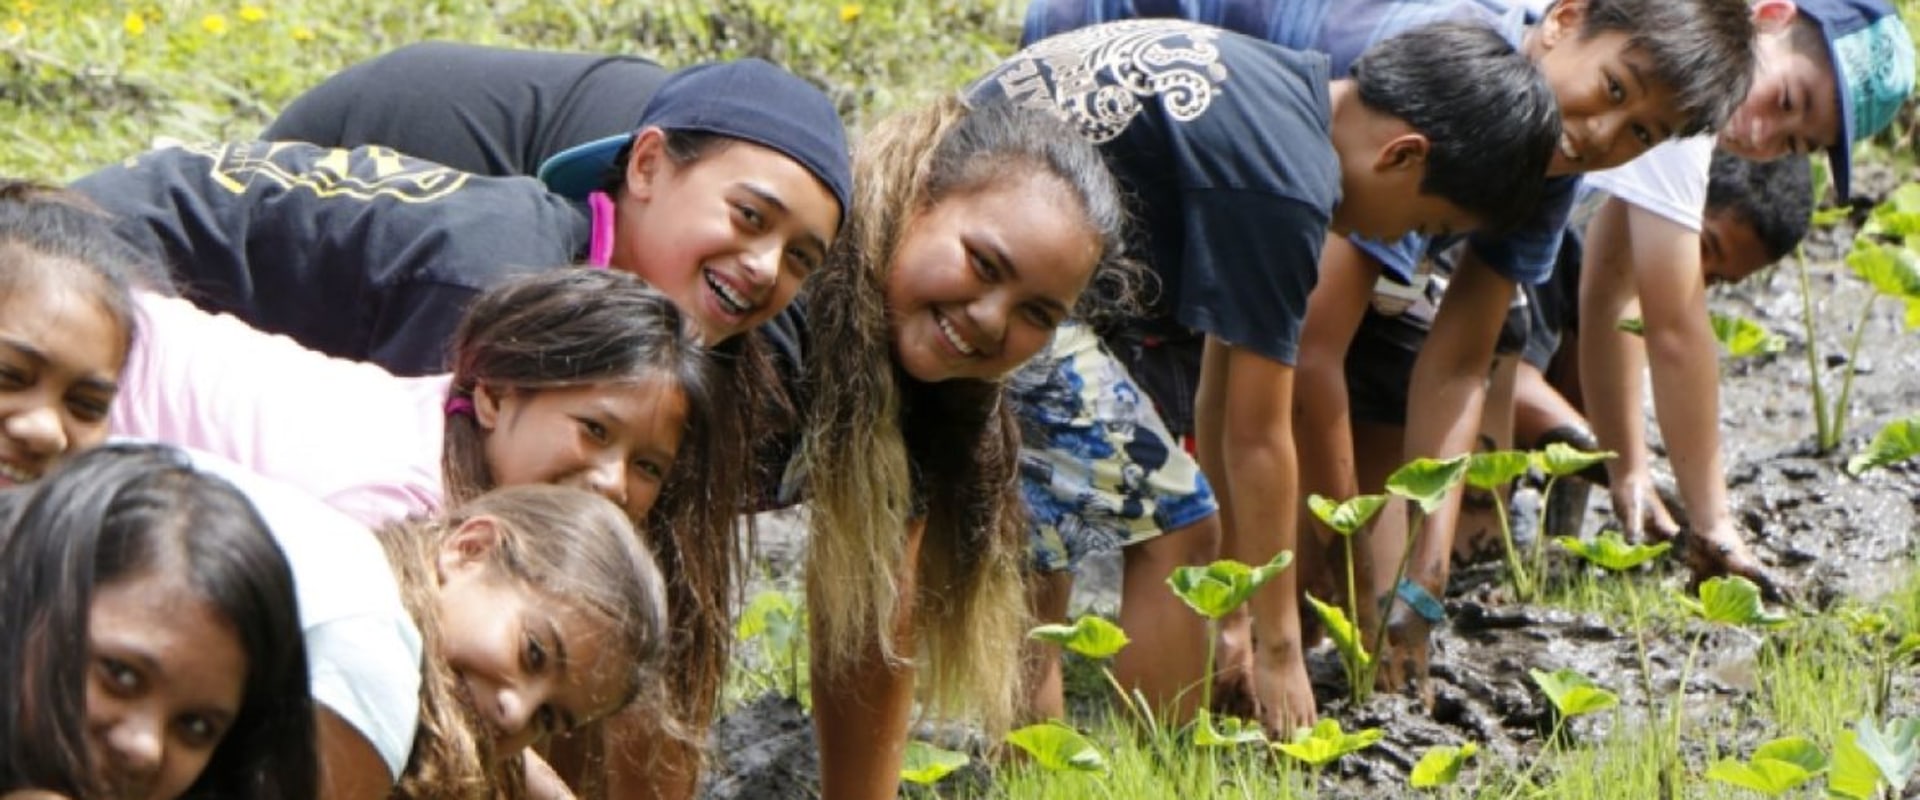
<point>953,337</point>
<point>1566,148</point>
<point>734,302</point>
<point>15,474</point>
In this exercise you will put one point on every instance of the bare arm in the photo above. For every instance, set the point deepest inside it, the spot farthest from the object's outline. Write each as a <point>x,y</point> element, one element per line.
<point>350,769</point>
<point>1322,425</point>
<point>1448,390</point>
<point>860,714</point>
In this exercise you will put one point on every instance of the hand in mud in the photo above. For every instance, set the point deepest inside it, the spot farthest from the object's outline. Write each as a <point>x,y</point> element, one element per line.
<point>1722,550</point>
<point>1409,636</point>
<point>1642,516</point>
<point>1233,672</point>
<point>1285,694</point>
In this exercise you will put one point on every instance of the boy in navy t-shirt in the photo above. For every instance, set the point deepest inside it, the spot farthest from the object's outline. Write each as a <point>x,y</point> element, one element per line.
<point>1240,156</point>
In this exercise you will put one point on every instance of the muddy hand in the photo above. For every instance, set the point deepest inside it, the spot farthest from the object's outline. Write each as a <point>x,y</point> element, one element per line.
<point>1642,516</point>
<point>1233,673</point>
<point>1722,550</point>
<point>1404,662</point>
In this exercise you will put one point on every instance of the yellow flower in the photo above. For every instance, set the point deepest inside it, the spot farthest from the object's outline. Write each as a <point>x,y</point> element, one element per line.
<point>850,12</point>
<point>15,27</point>
<point>215,24</point>
<point>134,24</point>
<point>302,34</point>
<point>252,13</point>
<point>24,7</point>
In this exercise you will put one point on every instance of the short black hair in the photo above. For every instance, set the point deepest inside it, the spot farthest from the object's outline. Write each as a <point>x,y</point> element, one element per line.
<point>1489,116</point>
<point>1774,197</point>
<point>1702,49</point>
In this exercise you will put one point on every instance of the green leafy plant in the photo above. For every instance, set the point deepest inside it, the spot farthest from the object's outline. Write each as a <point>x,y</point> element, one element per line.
<point>1217,589</point>
<point>1231,731</point>
<point>1325,743</point>
<point>1739,336</point>
<point>1058,748</point>
<point>1345,519</point>
<point>1894,749</point>
<point>925,765</point>
<point>1572,695</point>
<point>1558,461</point>
<point>1491,472</point>
<point>777,624</point>
<point>1610,552</point>
<point>1423,482</point>
<point>1775,768</point>
<point>1090,636</point>
<point>1897,442</point>
<point>1885,254</point>
<point>1441,765</point>
<point>1732,600</point>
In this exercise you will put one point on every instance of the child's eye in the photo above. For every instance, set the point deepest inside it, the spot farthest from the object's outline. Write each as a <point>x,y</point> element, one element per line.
<point>650,468</point>
<point>536,655</point>
<point>547,720</point>
<point>1041,317</point>
<point>87,410</point>
<point>11,378</point>
<point>1645,136</point>
<point>1615,91</point>
<point>120,677</point>
<point>750,216</point>
<point>199,731</point>
<point>800,263</point>
<point>594,430</point>
<point>982,267</point>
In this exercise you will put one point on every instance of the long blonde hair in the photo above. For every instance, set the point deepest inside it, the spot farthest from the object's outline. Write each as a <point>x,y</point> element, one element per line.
<point>882,450</point>
<point>568,546</point>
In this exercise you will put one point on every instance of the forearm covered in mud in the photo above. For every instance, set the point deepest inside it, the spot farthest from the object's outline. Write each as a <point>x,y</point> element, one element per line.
<point>1449,388</point>
<point>861,711</point>
<point>1260,505</point>
<point>1322,422</point>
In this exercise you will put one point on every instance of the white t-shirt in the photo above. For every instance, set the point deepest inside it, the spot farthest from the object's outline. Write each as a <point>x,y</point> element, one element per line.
<point>363,650</point>
<point>351,434</point>
<point>1670,180</point>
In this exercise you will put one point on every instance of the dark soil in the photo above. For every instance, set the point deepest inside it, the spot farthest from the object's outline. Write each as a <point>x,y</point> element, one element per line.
<point>1826,534</point>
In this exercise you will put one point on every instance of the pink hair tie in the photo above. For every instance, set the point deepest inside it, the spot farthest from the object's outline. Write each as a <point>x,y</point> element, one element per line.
<point>600,246</point>
<point>458,405</point>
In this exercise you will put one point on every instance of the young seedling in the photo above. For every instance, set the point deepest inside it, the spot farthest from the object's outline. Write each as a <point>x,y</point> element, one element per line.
<point>1741,337</point>
<point>1610,552</point>
<point>926,765</point>
<point>778,624</point>
<point>1325,743</point>
<point>1559,460</point>
<point>1231,732</point>
<point>1775,769</point>
<point>1852,775</point>
<point>1058,748</point>
<point>1572,695</point>
<point>1897,442</point>
<point>1892,270</point>
<point>1215,590</point>
<point>1346,519</point>
<point>1894,749</point>
<point>1441,765</point>
<point>1822,218</point>
<point>1096,639</point>
<point>1880,641</point>
<point>1423,482</point>
<point>1490,473</point>
<point>1732,601</point>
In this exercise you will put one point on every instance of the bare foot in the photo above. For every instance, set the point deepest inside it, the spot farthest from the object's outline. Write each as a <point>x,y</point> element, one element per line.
<point>1233,668</point>
<point>1285,693</point>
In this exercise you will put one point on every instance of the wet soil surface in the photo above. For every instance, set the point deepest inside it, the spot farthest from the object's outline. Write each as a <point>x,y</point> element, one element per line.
<point>1826,534</point>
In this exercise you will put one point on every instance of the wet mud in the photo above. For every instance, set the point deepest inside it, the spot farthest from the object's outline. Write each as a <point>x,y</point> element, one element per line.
<point>1825,534</point>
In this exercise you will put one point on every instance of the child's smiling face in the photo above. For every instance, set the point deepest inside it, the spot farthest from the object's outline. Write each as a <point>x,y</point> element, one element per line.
<point>617,440</point>
<point>60,358</point>
<point>1793,106</point>
<point>1613,105</point>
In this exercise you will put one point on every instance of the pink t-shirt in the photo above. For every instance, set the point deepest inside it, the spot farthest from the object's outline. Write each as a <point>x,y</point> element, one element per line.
<point>352,434</point>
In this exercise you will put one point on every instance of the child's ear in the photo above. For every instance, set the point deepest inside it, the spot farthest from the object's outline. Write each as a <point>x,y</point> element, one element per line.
<point>1562,20</point>
<point>1774,16</point>
<point>468,549</point>
<point>486,406</point>
<point>646,162</point>
<point>1405,152</point>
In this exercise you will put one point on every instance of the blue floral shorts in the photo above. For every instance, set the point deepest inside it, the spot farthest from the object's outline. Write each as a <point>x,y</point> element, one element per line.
<point>1097,466</point>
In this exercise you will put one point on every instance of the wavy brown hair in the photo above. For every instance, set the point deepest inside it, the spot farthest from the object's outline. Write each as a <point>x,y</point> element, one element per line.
<point>882,450</point>
<point>567,546</point>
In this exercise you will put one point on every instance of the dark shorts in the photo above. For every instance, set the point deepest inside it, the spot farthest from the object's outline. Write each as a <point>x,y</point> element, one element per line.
<point>1554,305</point>
<point>1380,361</point>
<point>1098,468</point>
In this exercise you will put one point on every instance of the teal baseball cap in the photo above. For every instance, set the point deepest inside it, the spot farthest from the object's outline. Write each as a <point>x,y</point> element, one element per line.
<point>1873,64</point>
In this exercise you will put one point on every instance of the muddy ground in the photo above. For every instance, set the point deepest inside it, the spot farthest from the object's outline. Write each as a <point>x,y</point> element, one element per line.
<point>1827,534</point>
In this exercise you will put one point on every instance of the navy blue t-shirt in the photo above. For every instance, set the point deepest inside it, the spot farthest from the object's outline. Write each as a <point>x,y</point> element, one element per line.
<point>363,254</point>
<point>1343,30</point>
<point>1222,145</point>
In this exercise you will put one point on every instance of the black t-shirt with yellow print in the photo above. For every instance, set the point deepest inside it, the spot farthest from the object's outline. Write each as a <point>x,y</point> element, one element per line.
<point>363,253</point>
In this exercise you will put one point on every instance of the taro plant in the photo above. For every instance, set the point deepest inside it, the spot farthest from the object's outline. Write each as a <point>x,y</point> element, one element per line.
<point>1095,639</point>
<point>1870,758</point>
<point>1345,519</point>
<point>1058,748</point>
<point>1897,442</point>
<point>1490,473</point>
<point>1424,484</point>
<point>777,624</point>
<point>1326,743</point>
<point>1215,590</point>
<point>1732,601</point>
<point>1610,552</point>
<point>1741,337</point>
<point>1559,460</point>
<point>1573,695</point>
<point>1883,644</point>
<point>1776,767</point>
<point>1886,254</point>
<point>926,765</point>
<point>1440,766</point>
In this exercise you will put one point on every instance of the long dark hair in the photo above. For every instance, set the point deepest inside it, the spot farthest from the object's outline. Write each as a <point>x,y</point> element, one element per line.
<point>51,235</point>
<point>109,513</point>
<point>581,326</point>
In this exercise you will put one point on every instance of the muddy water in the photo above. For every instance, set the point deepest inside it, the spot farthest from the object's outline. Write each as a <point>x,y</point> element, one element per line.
<point>1828,535</point>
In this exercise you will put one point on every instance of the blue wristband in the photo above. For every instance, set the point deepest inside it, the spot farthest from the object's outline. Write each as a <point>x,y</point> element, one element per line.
<point>1421,601</point>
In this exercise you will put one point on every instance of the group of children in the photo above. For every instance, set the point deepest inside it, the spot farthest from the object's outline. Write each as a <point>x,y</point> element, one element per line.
<point>465,379</point>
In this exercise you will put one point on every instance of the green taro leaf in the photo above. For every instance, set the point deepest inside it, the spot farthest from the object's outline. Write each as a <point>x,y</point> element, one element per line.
<point>1897,442</point>
<point>1220,587</point>
<point>1440,765</point>
<point>1426,481</point>
<point>1854,775</point>
<point>1895,749</point>
<point>1865,622</point>
<point>1732,600</point>
<point>1829,217</point>
<point>1743,337</point>
<point>1326,742</point>
<point>1346,635</point>
<point>1900,214</point>
<point>1560,459</point>
<point>1775,768</point>
<point>1633,325</point>
<point>1233,731</point>
<point>926,765</point>
<point>1610,552</point>
<point>1090,636</point>
<point>1058,748</point>
<point>1908,646</point>
<point>1496,469</point>
<point>1893,271</point>
<point>1913,313</point>
<point>1349,516</point>
<point>771,614</point>
<point>1572,694</point>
